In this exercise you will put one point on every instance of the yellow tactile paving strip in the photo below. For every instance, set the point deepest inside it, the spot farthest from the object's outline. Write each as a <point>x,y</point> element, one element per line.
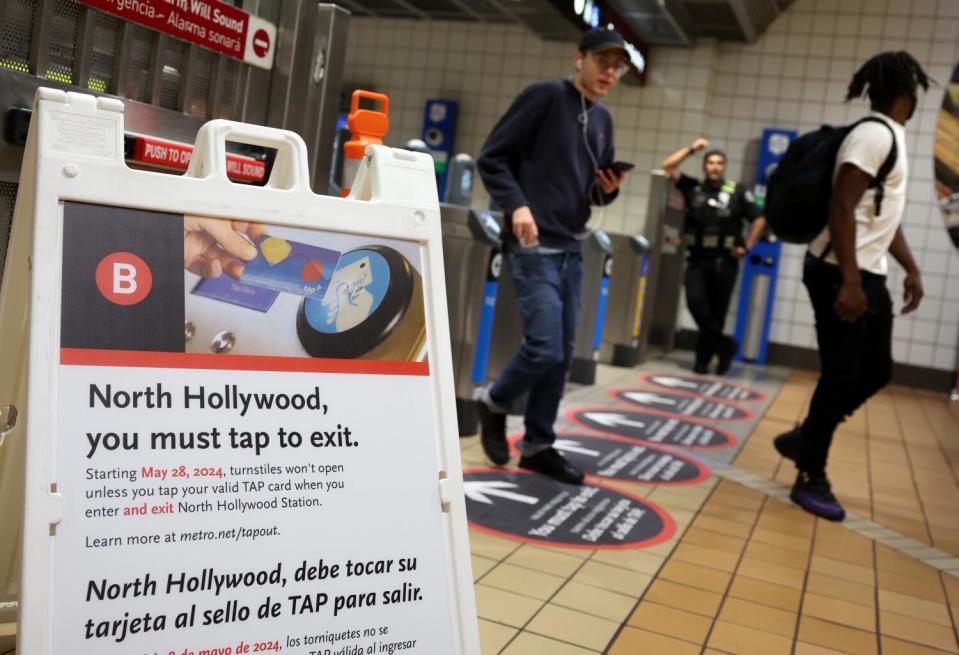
<point>747,573</point>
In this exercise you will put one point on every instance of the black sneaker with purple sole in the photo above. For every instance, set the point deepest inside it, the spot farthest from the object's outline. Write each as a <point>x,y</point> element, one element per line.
<point>813,493</point>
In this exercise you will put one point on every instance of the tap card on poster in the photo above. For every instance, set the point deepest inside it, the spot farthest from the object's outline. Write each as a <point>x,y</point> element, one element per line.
<point>291,267</point>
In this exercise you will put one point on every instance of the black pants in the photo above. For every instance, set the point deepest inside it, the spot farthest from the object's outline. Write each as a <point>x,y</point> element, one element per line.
<point>709,286</point>
<point>856,358</point>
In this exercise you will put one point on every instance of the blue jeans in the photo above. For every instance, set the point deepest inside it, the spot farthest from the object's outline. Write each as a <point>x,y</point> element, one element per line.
<point>548,294</point>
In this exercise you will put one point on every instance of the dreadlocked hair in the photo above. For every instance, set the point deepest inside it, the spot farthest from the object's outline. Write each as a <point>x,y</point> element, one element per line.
<point>887,76</point>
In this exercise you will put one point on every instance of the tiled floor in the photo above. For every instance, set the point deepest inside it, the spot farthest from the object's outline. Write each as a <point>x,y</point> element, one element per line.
<point>747,572</point>
<point>896,461</point>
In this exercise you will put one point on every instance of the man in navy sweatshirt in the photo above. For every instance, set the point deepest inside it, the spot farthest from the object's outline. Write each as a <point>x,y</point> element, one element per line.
<point>547,161</point>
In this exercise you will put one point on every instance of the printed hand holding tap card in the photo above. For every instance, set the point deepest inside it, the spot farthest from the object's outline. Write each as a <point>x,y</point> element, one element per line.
<point>291,267</point>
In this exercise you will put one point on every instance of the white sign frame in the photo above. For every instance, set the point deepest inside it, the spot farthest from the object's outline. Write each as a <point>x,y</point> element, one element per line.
<point>74,152</point>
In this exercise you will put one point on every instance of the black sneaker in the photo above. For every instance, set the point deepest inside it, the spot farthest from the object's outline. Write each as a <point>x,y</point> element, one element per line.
<point>789,445</point>
<point>726,357</point>
<point>551,464</point>
<point>813,493</point>
<point>700,368</point>
<point>493,433</point>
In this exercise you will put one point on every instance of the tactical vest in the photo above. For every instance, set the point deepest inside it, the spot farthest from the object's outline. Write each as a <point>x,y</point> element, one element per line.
<point>714,222</point>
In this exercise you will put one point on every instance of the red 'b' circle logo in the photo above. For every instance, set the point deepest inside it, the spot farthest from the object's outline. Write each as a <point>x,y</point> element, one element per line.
<point>261,42</point>
<point>123,278</point>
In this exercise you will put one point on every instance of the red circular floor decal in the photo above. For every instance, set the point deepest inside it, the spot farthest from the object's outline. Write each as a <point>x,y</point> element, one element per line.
<point>532,508</point>
<point>654,427</point>
<point>702,386</point>
<point>615,458</point>
<point>688,405</point>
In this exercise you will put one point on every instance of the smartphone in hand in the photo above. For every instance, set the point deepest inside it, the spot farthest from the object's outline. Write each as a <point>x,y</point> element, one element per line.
<point>622,166</point>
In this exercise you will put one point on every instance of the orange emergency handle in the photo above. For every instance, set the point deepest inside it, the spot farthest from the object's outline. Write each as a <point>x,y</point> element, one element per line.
<point>367,127</point>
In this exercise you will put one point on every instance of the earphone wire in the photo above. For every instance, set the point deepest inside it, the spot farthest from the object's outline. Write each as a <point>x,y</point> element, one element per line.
<point>584,120</point>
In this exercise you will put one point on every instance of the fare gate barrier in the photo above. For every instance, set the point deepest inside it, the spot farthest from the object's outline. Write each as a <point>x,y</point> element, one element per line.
<point>757,294</point>
<point>597,270</point>
<point>664,224</point>
<point>170,88</point>
<point>471,254</point>
<point>627,292</point>
<point>507,332</point>
<point>758,288</point>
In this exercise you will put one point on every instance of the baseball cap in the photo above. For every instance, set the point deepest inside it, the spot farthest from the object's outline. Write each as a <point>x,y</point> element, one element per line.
<point>600,38</point>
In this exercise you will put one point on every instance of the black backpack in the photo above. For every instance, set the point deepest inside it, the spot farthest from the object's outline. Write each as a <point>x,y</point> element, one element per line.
<point>799,189</point>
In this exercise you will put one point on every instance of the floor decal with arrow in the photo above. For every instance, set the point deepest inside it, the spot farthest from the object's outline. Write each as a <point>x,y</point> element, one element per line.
<point>703,387</point>
<point>626,460</point>
<point>532,508</point>
<point>681,404</point>
<point>650,426</point>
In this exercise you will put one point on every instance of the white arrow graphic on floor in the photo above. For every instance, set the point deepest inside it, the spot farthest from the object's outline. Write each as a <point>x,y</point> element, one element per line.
<point>646,397</point>
<point>611,420</point>
<point>478,490</point>
<point>574,447</point>
<point>675,382</point>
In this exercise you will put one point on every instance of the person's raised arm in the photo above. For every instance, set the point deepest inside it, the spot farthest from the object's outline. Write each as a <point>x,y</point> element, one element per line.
<point>671,164</point>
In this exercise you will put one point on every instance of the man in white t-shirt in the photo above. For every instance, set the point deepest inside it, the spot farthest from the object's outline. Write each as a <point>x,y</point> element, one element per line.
<point>845,272</point>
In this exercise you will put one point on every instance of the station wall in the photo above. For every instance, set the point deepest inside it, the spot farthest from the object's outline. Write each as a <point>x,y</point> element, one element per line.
<point>794,76</point>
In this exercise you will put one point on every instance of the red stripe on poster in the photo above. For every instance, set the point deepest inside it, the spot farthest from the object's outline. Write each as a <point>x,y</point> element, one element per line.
<point>143,359</point>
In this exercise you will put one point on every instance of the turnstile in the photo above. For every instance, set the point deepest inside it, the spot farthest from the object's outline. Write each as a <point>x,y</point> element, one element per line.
<point>471,256</point>
<point>597,270</point>
<point>756,296</point>
<point>507,332</point>
<point>664,225</point>
<point>627,290</point>
<point>757,289</point>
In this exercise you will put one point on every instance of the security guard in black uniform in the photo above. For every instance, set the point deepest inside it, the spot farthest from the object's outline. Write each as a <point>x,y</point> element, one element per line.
<point>713,235</point>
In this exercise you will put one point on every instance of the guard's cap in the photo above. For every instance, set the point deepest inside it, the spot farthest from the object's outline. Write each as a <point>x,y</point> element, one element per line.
<point>600,38</point>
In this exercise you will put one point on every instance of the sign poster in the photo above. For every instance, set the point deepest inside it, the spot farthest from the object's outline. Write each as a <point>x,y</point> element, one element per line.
<point>244,498</point>
<point>703,387</point>
<point>683,405</point>
<point>624,460</point>
<point>649,426</point>
<point>212,24</point>
<point>532,508</point>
